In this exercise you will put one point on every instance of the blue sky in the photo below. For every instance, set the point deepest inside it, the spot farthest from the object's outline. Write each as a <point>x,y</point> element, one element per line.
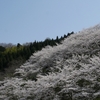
<point>24,21</point>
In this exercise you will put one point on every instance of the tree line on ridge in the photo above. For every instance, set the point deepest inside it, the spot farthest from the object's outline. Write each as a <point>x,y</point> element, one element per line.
<point>25,51</point>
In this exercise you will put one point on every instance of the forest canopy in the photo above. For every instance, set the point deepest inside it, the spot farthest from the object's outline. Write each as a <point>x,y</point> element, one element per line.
<point>23,52</point>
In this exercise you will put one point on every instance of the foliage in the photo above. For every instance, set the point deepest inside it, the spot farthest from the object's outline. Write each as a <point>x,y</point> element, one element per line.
<point>97,98</point>
<point>83,82</point>
<point>77,77</point>
<point>2,49</point>
<point>24,51</point>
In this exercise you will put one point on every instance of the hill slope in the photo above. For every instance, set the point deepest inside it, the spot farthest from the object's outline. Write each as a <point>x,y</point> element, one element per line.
<point>69,71</point>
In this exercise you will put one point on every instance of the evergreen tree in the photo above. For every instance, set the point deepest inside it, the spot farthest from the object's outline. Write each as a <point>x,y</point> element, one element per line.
<point>1,65</point>
<point>2,49</point>
<point>65,36</point>
<point>18,45</point>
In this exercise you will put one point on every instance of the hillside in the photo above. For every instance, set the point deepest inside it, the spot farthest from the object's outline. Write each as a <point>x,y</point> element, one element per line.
<point>68,71</point>
<point>11,54</point>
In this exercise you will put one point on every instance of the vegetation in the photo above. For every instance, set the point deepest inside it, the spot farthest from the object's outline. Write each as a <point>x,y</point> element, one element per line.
<point>83,82</point>
<point>23,52</point>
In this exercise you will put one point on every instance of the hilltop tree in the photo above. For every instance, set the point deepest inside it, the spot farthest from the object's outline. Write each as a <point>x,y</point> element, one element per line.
<point>18,45</point>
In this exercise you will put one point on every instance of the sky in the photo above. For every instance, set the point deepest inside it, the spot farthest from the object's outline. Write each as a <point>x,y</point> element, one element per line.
<point>24,21</point>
